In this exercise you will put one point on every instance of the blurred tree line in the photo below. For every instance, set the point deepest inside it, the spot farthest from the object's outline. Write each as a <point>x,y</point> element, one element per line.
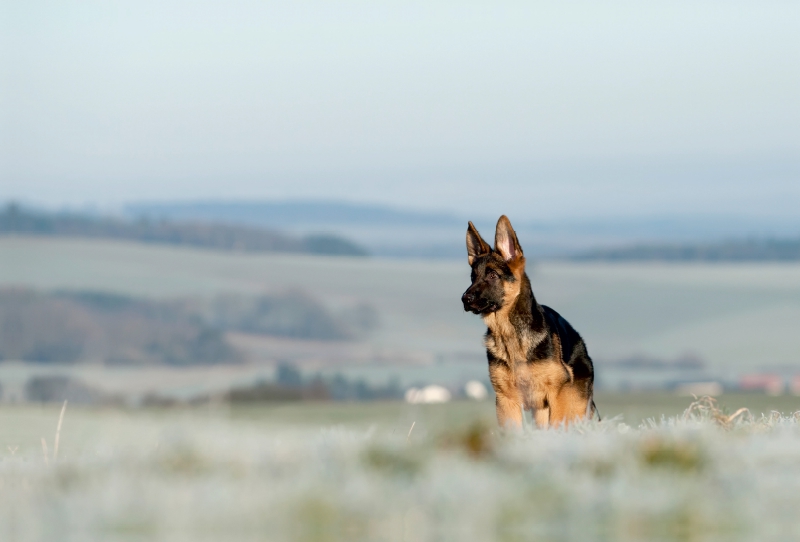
<point>74,326</point>
<point>727,251</point>
<point>16,220</point>
<point>291,385</point>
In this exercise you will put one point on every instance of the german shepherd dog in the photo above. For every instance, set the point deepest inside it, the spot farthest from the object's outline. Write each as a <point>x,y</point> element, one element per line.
<point>537,361</point>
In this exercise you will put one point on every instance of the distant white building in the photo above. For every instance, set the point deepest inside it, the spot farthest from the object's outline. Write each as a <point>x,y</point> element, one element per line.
<point>475,390</point>
<point>428,394</point>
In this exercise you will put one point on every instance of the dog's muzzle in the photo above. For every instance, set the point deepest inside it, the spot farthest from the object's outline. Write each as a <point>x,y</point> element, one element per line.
<point>475,304</point>
<point>467,299</point>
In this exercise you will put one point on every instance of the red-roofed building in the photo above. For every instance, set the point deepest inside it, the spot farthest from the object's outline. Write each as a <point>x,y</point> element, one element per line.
<point>768,383</point>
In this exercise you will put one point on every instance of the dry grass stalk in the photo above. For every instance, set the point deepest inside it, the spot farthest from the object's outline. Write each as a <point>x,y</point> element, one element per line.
<point>408,437</point>
<point>707,406</point>
<point>58,431</point>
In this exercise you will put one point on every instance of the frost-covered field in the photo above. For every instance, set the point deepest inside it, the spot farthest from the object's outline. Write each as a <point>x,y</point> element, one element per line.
<point>193,476</point>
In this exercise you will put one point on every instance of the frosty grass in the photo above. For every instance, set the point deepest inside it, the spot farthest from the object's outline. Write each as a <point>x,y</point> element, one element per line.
<point>704,476</point>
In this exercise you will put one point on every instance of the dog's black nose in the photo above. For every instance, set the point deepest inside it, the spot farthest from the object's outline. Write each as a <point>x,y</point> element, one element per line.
<point>467,298</point>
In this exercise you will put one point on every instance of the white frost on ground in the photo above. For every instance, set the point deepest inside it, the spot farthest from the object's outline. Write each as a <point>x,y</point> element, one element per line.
<point>689,479</point>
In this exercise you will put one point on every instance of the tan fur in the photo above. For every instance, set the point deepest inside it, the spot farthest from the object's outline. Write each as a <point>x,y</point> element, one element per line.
<point>508,400</point>
<point>544,387</point>
<point>542,418</point>
<point>569,405</point>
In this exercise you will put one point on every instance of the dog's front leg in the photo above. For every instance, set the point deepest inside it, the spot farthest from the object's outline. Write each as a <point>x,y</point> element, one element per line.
<point>509,411</point>
<point>542,417</point>
<point>508,400</point>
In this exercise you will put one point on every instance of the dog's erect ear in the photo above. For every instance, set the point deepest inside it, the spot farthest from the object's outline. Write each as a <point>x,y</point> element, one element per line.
<point>505,240</point>
<point>476,246</point>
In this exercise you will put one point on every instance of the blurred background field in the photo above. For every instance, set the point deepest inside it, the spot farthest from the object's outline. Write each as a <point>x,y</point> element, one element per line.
<point>190,323</point>
<point>267,202</point>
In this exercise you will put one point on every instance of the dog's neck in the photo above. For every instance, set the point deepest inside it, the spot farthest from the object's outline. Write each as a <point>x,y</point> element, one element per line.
<point>520,319</point>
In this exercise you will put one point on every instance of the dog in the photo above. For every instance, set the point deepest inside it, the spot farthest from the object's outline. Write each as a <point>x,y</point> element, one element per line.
<point>537,361</point>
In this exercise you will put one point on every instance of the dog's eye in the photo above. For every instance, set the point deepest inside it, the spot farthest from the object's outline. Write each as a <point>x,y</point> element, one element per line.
<point>492,275</point>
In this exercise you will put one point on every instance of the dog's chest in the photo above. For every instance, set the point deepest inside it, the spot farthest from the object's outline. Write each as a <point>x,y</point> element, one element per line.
<point>531,377</point>
<point>507,343</point>
<point>511,349</point>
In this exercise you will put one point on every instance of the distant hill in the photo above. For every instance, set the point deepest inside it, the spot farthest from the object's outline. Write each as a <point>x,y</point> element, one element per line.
<point>383,230</point>
<point>730,251</point>
<point>284,215</point>
<point>397,232</point>
<point>17,220</point>
<point>351,229</point>
<point>69,326</point>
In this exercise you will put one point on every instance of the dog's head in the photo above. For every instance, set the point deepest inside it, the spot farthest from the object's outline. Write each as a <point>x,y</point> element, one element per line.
<point>496,273</point>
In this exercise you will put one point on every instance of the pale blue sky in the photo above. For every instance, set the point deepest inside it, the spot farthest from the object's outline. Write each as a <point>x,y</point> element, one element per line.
<point>555,109</point>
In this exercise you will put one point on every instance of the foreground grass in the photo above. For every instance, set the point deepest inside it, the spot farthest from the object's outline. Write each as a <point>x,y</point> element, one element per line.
<point>255,474</point>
